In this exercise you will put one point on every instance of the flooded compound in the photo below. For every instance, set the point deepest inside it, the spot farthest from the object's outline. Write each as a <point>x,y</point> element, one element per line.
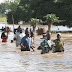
<point>13,60</point>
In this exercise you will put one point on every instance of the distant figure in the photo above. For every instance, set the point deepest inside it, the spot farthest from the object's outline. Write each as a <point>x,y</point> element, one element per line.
<point>30,31</point>
<point>32,35</point>
<point>19,28</point>
<point>46,44</point>
<point>2,29</point>
<point>59,44</point>
<point>26,42</point>
<point>18,37</point>
<point>58,28</point>
<point>38,31</point>
<point>7,30</point>
<point>15,31</point>
<point>4,37</point>
<point>26,31</point>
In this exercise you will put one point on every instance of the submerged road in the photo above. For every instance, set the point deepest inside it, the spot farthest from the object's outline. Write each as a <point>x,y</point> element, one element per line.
<point>13,60</point>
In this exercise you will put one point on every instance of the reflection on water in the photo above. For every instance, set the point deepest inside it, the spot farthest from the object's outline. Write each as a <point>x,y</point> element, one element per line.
<point>13,60</point>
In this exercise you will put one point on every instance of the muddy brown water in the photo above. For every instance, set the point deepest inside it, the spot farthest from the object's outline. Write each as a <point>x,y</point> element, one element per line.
<point>13,60</point>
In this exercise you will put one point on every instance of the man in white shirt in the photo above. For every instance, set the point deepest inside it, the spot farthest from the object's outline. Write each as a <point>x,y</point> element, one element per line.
<point>19,36</point>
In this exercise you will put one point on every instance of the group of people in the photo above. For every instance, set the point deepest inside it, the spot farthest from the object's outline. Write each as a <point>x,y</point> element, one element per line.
<point>56,46</point>
<point>26,41</point>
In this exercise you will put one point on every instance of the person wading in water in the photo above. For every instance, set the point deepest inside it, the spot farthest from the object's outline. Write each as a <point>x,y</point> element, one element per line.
<point>26,42</point>
<point>59,44</point>
<point>46,44</point>
<point>4,37</point>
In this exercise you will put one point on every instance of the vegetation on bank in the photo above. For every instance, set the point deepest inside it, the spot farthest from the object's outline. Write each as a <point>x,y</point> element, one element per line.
<point>24,10</point>
<point>3,19</point>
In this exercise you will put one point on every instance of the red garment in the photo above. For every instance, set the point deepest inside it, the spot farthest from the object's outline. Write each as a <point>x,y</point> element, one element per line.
<point>4,39</point>
<point>22,47</point>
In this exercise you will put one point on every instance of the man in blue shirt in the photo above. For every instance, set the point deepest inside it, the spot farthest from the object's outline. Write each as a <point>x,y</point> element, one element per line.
<point>26,42</point>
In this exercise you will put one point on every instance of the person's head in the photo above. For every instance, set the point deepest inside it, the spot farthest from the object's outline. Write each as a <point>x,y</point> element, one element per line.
<point>26,28</point>
<point>19,26</point>
<point>2,27</point>
<point>48,36</point>
<point>27,34</point>
<point>59,36</point>
<point>20,30</point>
<point>30,30</point>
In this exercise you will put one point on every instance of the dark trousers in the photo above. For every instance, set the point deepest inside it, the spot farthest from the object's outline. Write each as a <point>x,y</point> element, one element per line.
<point>25,49</point>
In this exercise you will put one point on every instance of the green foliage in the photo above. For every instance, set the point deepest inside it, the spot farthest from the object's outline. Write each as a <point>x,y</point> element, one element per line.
<point>3,7</point>
<point>9,8</point>
<point>24,10</point>
<point>51,18</point>
<point>3,19</point>
<point>35,21</point>
<point>13,7</point>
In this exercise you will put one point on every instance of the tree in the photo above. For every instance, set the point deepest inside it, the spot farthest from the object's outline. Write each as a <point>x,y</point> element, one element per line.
<point>50,18</point>
<point>27,9</point>
<point>11,16</point>
<point>34,22</point>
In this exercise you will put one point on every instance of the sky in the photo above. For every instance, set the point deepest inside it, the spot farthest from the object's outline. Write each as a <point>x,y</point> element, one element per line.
<point>2,1</point>
<point>5,0</point>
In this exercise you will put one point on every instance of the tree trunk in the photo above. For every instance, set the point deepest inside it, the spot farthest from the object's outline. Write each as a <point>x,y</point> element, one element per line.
<point>34,27</point>
<point>49,27</point>
<point>13,21</point>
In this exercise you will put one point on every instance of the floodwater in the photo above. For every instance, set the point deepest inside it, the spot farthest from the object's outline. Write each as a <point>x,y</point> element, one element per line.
<point>13,60</point>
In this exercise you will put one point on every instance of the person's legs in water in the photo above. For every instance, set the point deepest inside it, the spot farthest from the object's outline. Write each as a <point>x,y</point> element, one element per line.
<point>43,50</point>
<point>46,50</point>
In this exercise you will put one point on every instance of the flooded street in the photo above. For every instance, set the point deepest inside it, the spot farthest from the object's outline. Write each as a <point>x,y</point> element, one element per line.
<point>13,60</point>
